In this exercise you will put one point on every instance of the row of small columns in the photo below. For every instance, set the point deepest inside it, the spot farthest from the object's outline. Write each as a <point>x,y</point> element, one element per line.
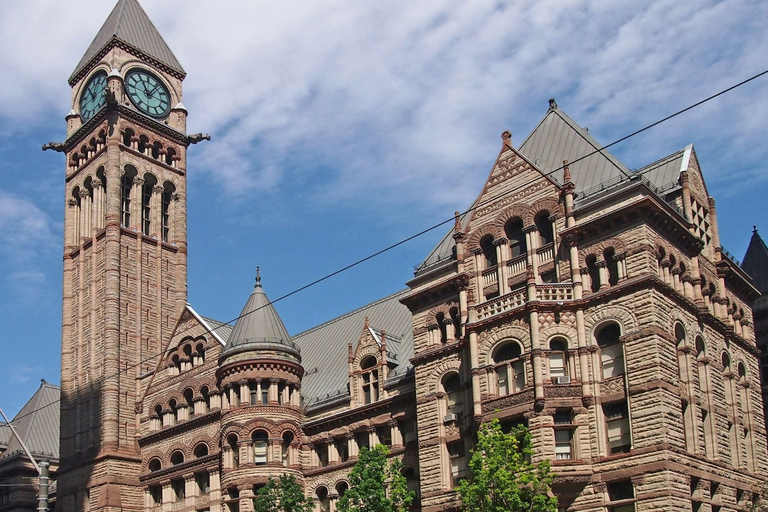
<point>89,218</point>
<point>191,494</point>
<point>288,395</point>
<point>353,449</point>
<point>603,274</point>
<point>169,417</point>
<point>78,159</point>
<point>275,455</point>
<point>503,257</point>
<point>185,364</point>
<point>690,287</point>
<point>162,152</point>
<point>155,209</point>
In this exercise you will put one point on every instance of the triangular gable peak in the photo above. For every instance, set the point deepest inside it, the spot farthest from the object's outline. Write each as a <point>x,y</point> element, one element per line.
<point>368,366</point>
<point>696,181</point>
<point>192,344</point>
<point>515,188</point>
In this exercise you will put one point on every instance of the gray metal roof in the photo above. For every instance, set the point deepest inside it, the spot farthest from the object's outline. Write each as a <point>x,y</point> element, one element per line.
<point>37,423</point>
<point>664,173</point>
<point>556,138</point>
<point>258,326</point>
<point>756,261</point>
<point>130,24</point>
<point>324,348</point>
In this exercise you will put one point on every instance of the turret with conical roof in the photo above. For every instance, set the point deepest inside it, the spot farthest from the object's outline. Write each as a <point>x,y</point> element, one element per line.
<point>260,377</point>
<point>259,331</point>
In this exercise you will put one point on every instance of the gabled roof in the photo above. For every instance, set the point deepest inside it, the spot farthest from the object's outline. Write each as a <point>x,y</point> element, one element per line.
<point>258,325</point>
<point>558,137</point>
<point>128,23</point>
<point>755,261</point>
<point>37,423</point>
<point>324,348</point>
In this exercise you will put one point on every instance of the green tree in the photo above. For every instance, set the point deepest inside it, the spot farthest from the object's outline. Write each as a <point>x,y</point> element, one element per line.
<point>375,485</point>
<point>502,478</point>
<point>283,495</point>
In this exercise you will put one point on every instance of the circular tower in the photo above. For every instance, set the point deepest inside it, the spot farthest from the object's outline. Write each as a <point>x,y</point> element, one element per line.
<point>260,377</point>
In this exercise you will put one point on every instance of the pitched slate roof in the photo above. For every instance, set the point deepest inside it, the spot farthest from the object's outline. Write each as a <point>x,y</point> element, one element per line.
<point>755,261</point>
<point>558,137</point>
<point>258,325</point>
<point>129,24</point>
<point>324,348</point>
<point>37,423</point>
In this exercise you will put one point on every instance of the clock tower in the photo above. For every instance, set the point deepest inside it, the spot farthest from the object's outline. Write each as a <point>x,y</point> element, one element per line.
<point>125,252</point>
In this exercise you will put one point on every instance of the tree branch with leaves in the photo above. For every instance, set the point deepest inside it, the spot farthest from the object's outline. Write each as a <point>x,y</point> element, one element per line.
<point>376,485</point>
<point>502,476</point>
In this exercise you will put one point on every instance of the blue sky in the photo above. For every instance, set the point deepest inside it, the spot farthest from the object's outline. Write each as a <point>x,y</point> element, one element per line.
<point>341,127</point>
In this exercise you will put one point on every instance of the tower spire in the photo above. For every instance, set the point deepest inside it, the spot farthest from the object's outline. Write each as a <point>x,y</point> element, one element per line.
<point>128,25</point>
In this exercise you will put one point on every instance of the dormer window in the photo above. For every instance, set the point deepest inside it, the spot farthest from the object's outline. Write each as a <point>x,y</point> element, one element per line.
<point>370,380</point>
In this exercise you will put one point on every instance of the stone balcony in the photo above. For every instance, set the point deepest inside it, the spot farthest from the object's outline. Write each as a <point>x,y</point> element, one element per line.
<point>559,292</point>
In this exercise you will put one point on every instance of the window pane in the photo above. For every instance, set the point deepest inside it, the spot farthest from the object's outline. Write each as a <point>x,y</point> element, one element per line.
<point>501,375</point>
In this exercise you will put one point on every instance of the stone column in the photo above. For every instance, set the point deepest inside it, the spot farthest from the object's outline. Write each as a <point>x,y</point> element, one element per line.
<point>501,267</point>
<point>352,447</point>
<point>137,190</point>
<point>396,435</point>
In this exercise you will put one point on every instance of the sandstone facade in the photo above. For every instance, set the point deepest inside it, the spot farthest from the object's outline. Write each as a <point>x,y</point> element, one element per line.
<point>592,303</point>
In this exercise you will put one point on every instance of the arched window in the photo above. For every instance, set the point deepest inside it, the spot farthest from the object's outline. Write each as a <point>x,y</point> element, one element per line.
<point>342,488</point>
<point>189,399</point>
<point>440,319</point>
<point>322,498</point>
<point>165,215</point>
<point>369,379</point>
<point>726,361</point>
<point>260,438</point>
<point>146,197</point>
<point>456,320</point>
<point>206,398</point>
<point>452,389</point>
<point>558,361</point>
<point>510,368</point>
<point>742,372</point>
<point>177,458</point>
<point>174,410</point>
<point>154,464</point>
<point>594,272</point>
<point>513,229</point>
<point>285,447</point>
<point>126,185</point>
<point>679,334</point>
<point>544,226</point>
<point>489,251</point>
<point>609,255</point>
<point>234,447</point>
<point>201,450</point>
<point>611,350</point>
<point>701,351</point>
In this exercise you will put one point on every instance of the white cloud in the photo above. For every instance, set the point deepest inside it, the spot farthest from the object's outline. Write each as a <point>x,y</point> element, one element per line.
<point>25,235</point>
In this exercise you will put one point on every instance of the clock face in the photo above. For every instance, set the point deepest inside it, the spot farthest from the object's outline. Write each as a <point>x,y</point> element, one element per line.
<point>92,99</point>
<point>147,93</point>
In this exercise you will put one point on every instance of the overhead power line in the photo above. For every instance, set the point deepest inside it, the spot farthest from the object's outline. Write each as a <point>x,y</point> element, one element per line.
<point>439,224</point>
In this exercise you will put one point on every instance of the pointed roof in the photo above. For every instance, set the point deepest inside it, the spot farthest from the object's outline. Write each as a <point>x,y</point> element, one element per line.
<point>755,261</point>
<point>129,24</point>
<point>37,423</point>
<point>258,326</point>
<point>558,137</point>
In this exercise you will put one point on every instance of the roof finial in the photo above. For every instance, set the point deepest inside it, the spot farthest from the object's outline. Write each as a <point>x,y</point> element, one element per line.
<point>566,172</point>
<point>552,103</point>
<point>457,222</point>
<point>506,136</point>
<point>367,322</point>
<point>754,230</point>
<point>258,277</point>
